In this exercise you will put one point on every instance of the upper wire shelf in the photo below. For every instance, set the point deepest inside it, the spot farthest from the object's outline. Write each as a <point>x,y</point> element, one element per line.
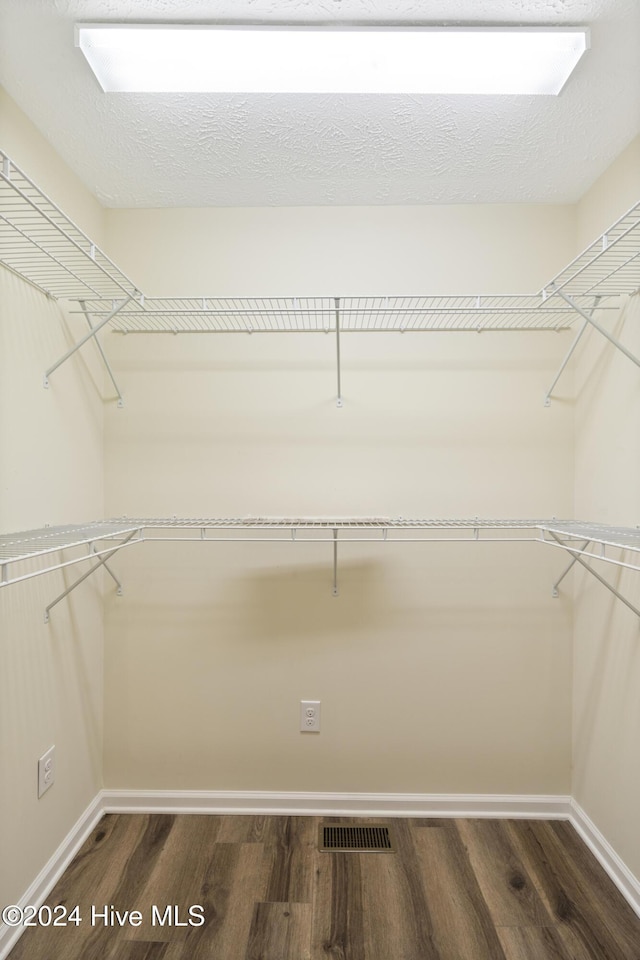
<point>610,266</point>
<point>41,244</point>
<point>353,314</point>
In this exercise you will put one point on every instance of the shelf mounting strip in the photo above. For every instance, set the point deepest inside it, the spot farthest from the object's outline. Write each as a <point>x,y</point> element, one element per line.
<point>42,245</point>
<point>580,540</point>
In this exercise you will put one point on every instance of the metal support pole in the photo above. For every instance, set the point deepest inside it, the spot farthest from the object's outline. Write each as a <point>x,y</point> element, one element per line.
<point>604,582</point>
<point>554,592</point>
<point>83,340</point>
<point>102,354</point>
<point>339,402</point>
<point>599,328</point>
<point>547,399</point>
<point>335,563</point>
<point>101,562</point>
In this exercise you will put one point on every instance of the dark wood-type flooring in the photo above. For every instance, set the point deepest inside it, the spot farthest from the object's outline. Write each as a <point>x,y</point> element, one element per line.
<point>454,890</point>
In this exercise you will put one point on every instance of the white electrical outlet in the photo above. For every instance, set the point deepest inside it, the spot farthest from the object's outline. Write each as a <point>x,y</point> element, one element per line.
<point>46,771</point>
<point>310,716</point>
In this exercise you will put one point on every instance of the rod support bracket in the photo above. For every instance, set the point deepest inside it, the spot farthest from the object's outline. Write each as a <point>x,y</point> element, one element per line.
<point>45,382</point>
<point>339,402</point>
<point>120,403</point>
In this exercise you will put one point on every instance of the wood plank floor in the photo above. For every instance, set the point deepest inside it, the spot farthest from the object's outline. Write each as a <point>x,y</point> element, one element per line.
<point>453,890</point>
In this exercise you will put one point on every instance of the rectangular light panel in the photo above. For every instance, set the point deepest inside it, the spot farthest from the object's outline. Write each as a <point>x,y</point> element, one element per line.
<point>167,58</point>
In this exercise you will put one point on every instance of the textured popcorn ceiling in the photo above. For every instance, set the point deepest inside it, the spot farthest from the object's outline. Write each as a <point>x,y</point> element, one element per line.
<point>198,150</point>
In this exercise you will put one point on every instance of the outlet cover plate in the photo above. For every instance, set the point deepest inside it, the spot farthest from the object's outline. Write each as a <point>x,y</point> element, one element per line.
<point>46,771</point>
<point>310,716</point>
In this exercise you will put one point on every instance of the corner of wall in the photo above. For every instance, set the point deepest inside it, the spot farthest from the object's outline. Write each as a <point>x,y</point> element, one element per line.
<point>606,668</point>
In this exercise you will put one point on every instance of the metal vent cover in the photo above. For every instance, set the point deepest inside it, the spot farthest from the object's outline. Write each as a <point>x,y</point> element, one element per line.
<point>365,838</point>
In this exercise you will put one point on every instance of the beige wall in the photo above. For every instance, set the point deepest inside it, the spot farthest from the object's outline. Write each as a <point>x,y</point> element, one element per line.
<point>440,668</point>
<point>51,471</point>
<point>342,251</point>
<point>606,705</point>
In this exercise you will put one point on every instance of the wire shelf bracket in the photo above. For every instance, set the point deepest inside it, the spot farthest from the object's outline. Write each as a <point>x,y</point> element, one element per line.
<point>555,593</point>
<point>23,548</point>
<point>569,354</point>
<point>93,332</point>
<point>120,401</point>
<point>589,320</point>
<point>102,562</point>
<point>576,554</point>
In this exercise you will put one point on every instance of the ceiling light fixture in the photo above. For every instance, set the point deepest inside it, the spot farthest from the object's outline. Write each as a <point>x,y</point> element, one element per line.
<point>164,58</point>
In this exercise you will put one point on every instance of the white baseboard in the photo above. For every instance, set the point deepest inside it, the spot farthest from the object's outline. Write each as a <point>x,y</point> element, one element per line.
<point>336,804</point>
<point>53,870</point>
<point>624,879</point>
<point>258,803</point>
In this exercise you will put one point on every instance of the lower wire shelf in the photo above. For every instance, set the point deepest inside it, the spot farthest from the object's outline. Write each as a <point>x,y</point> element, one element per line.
<point>98,541</point>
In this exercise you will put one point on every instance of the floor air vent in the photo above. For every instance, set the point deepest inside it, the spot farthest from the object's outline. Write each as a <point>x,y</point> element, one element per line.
<point>370,838</point>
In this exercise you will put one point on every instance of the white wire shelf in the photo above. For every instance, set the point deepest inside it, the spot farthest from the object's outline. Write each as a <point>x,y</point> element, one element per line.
<point>27,545</point>
<point>353,314</point>
<point>16,547</point>
<point>319,523</point>
<point>610,266</point>
<point>41,244</point>
<point>578,539</point>
<point>623,538</point>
